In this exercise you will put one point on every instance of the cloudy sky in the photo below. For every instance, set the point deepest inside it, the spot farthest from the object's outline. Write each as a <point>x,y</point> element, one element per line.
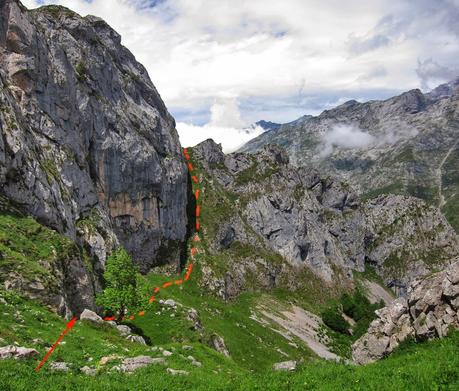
<point>221,65</point>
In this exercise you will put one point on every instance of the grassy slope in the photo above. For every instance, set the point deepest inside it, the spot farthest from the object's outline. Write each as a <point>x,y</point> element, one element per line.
<point>30,250</point>
<point>427,366</point>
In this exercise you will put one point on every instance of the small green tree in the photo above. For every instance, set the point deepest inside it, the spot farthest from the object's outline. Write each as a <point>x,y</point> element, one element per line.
<point>333,319</point>
<point>120,293</point>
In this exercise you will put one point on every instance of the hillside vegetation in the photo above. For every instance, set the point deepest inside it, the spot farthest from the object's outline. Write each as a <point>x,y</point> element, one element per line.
<point>427,366</point>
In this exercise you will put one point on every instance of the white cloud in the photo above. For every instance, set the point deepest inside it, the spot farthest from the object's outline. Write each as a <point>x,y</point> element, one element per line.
<point>225,113</point>
<point>346,137</point>
<point>350,136</point>
<point>299,51</point>
<point>225,127</point>
<point>230,138</point>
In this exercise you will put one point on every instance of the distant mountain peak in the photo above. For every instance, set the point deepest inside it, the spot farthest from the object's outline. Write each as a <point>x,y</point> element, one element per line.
<point>406,144</point>
<point>268,125</point>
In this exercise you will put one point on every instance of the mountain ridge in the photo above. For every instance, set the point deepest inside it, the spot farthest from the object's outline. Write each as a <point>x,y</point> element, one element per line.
<point>406,144</point>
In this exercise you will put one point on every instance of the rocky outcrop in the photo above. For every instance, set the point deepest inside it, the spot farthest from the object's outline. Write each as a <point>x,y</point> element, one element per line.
<point>430,310</point>
<point>17,352</point>
<point>218,344</point>
<point>87,146</point>
<point>406,239</point>
<point>130,365</point>
<point>275,221</point>
<point>407,144</point>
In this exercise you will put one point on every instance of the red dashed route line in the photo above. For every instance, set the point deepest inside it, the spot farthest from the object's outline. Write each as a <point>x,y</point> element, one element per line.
<point>157,289</point>
<point>167,284</point>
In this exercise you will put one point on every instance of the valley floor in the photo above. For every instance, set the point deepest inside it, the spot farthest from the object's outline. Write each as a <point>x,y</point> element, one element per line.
<point>430,366</point>
<point>414,366</point>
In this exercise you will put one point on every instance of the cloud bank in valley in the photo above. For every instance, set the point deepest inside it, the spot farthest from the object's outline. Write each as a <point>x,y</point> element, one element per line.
<point>346,137</point>
<point>350,136</point>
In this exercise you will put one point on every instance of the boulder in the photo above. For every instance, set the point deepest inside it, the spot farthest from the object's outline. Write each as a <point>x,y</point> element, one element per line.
<point>17,352</point>
<point>88,371</point>
<point>134,363</point>
<point>91,316</point>
<point>59,366</point>
<point>123,329</point>
<point>170,303</point>
<point>176,372</point>
<point>136,338</point>
<point>105,360</point>
<point>285,366</point>
<point>193,317</point>
<point>218,344</point>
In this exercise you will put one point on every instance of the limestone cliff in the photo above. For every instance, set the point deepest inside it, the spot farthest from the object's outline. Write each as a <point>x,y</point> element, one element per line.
<point>277,221</point>
<point>87,145</point>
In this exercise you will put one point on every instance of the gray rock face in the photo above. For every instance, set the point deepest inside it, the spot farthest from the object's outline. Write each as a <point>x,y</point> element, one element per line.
<point>17,352</point>
<point>407,239</point>
<point>310,221</point>
<point>412,145</point>
<point>430,309</point>
<point>88,147</point>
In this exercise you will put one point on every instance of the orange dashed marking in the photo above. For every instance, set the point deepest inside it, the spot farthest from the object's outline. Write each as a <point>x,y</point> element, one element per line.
<point>194,250</point>
<point>187,275</point>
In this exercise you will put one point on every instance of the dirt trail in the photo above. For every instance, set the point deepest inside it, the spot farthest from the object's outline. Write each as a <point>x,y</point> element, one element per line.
<point>441,198</point>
